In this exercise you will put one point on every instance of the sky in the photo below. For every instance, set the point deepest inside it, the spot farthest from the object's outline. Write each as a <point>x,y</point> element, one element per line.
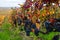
<point>11,3</point>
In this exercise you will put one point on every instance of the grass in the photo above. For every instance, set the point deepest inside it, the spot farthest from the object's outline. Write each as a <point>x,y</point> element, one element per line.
<point>9,34</point>
<point>48,36</point>
<point>14,33</point>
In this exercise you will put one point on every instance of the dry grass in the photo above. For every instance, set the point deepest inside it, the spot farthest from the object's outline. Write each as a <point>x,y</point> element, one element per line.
<point>4,12</point>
